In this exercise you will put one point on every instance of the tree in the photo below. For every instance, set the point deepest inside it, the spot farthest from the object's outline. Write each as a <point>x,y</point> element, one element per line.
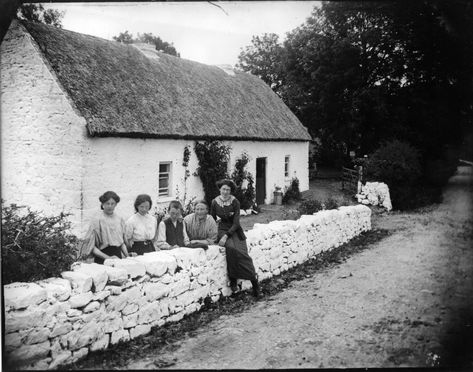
<point>161,45</point>
<point>37,13</point>
<point>358,73</point>
<point>263,58</point>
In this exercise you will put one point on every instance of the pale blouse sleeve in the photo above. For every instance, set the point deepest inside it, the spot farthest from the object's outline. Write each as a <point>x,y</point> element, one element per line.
<point>91,240</point>
<point>212,230</point>
<point>129,227</point>
<point>186,237</point>
<point>161,242</point>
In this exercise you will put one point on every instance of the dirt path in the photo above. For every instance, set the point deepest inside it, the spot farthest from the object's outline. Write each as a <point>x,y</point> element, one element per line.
<point>406,301</point>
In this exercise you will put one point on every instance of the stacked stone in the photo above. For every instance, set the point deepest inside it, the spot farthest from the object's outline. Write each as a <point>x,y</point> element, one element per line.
<point>59,320</point>
<point>375,193</point>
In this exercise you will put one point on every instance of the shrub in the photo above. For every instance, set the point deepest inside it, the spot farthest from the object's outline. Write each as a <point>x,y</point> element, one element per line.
<point>35,247</point>
<point>310,207</point>
<point>292,192</point>
<point>331,203</point>
<point>246,197</point>
<point>213,161</point>
<point>397,164</point>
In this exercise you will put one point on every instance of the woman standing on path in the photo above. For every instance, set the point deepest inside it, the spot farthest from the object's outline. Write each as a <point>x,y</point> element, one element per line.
<point>106,236</point>
<point>200,226</point>
<point>231,236</point>
<point>141,228</point>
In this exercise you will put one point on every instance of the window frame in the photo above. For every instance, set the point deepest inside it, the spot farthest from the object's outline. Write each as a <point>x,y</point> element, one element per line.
<point>169,177</point>
<point>287,162</point>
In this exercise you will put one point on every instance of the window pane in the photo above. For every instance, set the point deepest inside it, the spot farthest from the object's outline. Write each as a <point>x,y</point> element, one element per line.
<point>163,167</point>
<point>163,183</point>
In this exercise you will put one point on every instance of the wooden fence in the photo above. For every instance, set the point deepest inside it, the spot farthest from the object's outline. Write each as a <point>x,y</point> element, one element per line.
<point>350,178</point>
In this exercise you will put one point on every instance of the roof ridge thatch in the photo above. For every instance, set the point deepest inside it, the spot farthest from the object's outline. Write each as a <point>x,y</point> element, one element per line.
<point>120,91</point>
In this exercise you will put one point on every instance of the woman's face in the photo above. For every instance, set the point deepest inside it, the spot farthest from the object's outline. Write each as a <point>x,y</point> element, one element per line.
<point>143,208</point>
<point>174,213</point>
<point>200,210</point>
<point>109,206</point>
<point>225,191</point>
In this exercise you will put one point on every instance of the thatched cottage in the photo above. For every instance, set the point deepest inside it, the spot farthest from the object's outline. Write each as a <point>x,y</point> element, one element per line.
<point>81,115</point>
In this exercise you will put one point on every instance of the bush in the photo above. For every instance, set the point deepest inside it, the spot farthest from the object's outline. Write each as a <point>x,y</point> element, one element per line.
<point>310,207</point>
<point>292,192</point>
<point>35,247</point>
<point>313,206</point>
<point>213,160</point>
<point>331,203</point>
<point>246,197</point>
<point>398,165</point>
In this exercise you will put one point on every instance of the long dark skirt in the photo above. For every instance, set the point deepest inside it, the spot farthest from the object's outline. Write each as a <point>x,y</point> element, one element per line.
<point>142,247</point>
<point>239,263</point>
<point>110,251</point>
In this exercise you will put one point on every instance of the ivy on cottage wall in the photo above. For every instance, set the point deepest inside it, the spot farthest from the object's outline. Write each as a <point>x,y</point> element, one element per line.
<point>213,157</point>
<point>245,191</point>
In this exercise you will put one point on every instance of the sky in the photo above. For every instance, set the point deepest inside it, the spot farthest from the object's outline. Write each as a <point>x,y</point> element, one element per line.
<point>200,31</point>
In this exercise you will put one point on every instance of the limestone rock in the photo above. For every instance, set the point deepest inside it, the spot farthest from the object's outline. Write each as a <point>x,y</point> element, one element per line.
<point>57,288</point>
<point>154,264</point>
<point>61,329</point>
<point>212,252</point>
<point>27,354</point>
<point>116,276</point>
<point>186,257</point>
<point>140,330</point>
<point>60,359</point>
<point>21,295</point>
<point>132,267</point>
<point>101,343</point>
<point>155,291</point>
<point>80,282</point>
<point>102,295</point>
<point>130,309</point>
<point>97,272</point>
<point>91,307</point>
<point>120,335</point>
<point>12,341</point>
<point>37,335</point>
<point>23,319</point>
<point>131,320</point>
<point>80,300</point>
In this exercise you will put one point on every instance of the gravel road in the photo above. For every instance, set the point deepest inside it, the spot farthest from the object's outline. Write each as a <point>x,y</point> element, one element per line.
<point>405,302</point>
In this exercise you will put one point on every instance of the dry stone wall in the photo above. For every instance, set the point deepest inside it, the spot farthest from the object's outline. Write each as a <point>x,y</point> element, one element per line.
<point>60,320</point>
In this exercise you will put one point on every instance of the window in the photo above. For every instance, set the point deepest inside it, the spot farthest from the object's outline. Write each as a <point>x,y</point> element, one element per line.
<point>164,188</point>
<point>286,166</point>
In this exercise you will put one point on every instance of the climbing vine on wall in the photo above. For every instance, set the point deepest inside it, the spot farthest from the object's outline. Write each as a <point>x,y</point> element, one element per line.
<point>213,159</point>
<point>245,191</point>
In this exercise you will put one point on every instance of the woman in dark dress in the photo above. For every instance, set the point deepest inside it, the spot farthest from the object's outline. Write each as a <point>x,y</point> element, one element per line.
<point>231,236</point>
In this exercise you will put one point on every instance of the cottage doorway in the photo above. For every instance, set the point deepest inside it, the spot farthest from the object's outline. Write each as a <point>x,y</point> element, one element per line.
<point>260,180</point>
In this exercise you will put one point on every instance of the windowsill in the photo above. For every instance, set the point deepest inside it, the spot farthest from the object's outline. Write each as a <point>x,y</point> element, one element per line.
<point>165,199</point>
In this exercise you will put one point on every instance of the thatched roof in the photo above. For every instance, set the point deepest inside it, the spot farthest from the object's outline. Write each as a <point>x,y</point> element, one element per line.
<point>120,91</point>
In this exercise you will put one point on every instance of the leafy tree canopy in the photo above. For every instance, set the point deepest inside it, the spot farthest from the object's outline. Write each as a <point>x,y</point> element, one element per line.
<point>359,73</point>
<point>37,13</point>
<point>161,45</point>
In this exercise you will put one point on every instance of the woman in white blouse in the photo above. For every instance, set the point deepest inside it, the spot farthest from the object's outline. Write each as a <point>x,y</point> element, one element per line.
<point>141,228</point>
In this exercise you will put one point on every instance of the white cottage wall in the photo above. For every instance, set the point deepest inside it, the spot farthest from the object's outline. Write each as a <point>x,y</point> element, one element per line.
<point>130,166</point>
<point>275,152</point>
<point>41,134</point>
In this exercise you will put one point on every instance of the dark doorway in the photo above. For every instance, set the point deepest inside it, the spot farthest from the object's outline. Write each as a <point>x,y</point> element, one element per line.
<point>260,180</point>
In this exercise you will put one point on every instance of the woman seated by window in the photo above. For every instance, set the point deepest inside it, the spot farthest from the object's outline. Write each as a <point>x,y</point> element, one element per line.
<point>200,226</point>
<point>171,231</point>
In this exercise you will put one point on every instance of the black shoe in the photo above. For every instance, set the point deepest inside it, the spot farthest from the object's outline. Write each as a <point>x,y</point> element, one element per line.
<point>256,289</point>
<point>233,285</point>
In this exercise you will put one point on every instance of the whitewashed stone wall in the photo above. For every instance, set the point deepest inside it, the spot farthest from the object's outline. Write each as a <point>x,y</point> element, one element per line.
<point>42,136</point>
<point>60,320</point>
<point>375,193</point>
